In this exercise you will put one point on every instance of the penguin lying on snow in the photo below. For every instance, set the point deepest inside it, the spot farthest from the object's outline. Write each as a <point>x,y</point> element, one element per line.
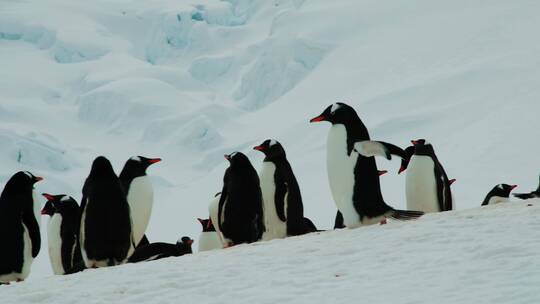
<point>499,194</point>
<point>62,232</point>
<point>105,233</point>
<point>240,212</point>
<point>353,177</point>
<point>532,194</point>
<point>20,238</point>
<point>208,239</point>
<point>427,185</point>
<point>156,251</point>
<point>139,194</point>
<point>283,208</point>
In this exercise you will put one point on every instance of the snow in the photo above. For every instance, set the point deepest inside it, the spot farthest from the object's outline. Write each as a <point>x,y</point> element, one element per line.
<point>465,256</point>
<point>191,80</point>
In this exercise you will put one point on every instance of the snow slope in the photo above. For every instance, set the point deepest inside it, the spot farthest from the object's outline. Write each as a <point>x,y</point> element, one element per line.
<point>191,80</point>
<point>485,255</point>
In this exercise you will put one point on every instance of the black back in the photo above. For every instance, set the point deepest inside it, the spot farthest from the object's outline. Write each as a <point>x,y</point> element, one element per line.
<point>16,213</point>
<point>159,250</point>
<point>107,231</point>
<point>70,211</point>
<point>500,190</point>
<point>240,203</point>
<point>207,225</point>
<point>444,194</point>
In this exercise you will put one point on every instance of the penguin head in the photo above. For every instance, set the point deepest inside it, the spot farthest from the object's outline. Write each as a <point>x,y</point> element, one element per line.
<point>184,245</point>
<point>409,151</point>
<point>61,203</point>
<point>502,190</point>
<point>422,147</point>
<point>207,224</point>
<point>337,113</point>
<point>101,167</point>
<point>22,180</point>
<point>137,165</point>
<point>272,150</point>
<point>237,159</point>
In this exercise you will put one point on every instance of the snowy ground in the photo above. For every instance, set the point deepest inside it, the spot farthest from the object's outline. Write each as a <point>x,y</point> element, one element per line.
<point>485,255</point>
<point>191,80</point>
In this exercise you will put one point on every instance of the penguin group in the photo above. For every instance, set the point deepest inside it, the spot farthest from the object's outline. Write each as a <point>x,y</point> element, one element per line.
<point>109,227</point>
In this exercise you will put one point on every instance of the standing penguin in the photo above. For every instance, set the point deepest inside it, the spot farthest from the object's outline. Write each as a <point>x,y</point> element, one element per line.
<point>20,238</point>
<point>354,179</point>
<point>532,194</point>
<point>208,239</point>
<point>105,236</point>
<point>139,193</point>
<point>159,250</point>
<point>283,208</point>
<point>240,211</point>
<point>427,185</point>
<point>63,232</point>
<point>499,194</point>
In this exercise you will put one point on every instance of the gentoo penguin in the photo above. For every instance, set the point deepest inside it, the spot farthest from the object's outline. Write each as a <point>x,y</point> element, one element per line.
<point>139,192</point>
<point>20,238</point>
<point>282,200</point>
<point>499,194</point>
<point>63,232</point>
<point>208,239</point>
<point>240,211</point>
<point>106,235</point>
<point>532,194</point>
<point>338,223</point>
<point>156,251</point>
<point>354,179</point>
<point>427,185</point>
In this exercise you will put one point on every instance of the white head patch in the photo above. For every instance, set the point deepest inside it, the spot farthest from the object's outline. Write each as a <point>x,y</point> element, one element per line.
<point>28,174</point>
<point>500,186</point>
<point>136,158</point>
<point>272,142</point>
<point>65,198</point>
<point>334,108</point>
<point>233,154</point>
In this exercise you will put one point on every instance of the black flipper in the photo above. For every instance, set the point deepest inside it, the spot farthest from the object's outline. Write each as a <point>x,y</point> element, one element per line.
<point>29,220</point>
<point>406,215</point>
<point>222,199</point>
<point>279,198</point>
<point>338,224</point>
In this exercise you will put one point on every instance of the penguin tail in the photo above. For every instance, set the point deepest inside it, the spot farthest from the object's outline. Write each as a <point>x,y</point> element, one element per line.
<point>406,215</point>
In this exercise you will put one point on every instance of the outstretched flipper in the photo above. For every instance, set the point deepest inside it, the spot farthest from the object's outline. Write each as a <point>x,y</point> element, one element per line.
<point>405,215</point>
<point>369,148</point>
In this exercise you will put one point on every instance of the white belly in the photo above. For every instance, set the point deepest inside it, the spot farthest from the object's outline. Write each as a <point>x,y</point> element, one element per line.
<point>497,200</point>
<point>55,243</point>
<point>213,209</point>
<point>140,198</point>
<point>341,174</point>
<point>275,227</point>
<point>420,185</point>
<point>209,241</point>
